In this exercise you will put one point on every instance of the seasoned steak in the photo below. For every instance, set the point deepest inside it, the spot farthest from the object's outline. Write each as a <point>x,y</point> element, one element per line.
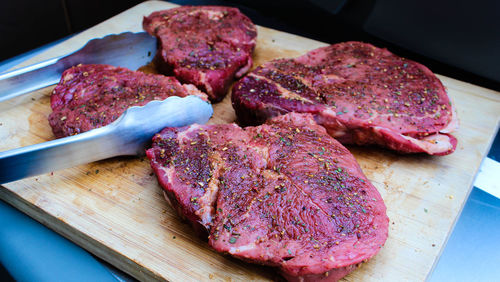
<point>361,95</point>
<point>284,194</point>
<point>92,96</point>
<point>207,46</point>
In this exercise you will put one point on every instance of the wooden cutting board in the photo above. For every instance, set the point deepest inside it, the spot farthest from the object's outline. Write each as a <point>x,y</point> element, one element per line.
<point>115,209</point>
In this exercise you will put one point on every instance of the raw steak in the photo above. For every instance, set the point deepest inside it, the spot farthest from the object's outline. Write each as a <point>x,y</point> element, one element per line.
<point>207,46</point>
<point>361,95</point>
<point>284,194</point>
<point>92,96</point>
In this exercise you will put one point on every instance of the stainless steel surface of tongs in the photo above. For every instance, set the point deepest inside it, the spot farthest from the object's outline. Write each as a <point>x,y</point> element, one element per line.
<point>128,50</point>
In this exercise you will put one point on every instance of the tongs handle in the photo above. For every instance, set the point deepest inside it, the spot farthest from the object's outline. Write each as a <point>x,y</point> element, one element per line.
<point>52,155</point>
<point>128,50</point>
<point>30,78</point>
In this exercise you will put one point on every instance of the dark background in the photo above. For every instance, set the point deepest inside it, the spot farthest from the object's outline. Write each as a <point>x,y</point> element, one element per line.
<point>456,38</point>
<point>27,24</point>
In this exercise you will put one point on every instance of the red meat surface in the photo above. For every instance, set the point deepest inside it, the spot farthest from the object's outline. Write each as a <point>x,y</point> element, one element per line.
<point>207,46</point>
<point>360,93</point>
<point>284,194</point>
<point>92,96</point>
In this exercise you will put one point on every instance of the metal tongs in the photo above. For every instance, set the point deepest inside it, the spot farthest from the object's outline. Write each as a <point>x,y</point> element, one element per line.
<point>128,50</point>
<point>128,135</point>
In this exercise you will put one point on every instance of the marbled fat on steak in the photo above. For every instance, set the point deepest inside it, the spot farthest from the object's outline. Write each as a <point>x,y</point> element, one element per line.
<point>361,95</point>
<point>92,96</point>
<point>283,194</point>
<point>207,46</point>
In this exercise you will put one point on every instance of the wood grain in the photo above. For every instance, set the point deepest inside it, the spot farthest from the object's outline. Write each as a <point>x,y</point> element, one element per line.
<point>114,208</point>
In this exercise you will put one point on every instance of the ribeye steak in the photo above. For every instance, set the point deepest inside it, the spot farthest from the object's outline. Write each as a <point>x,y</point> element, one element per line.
<point>207,46</point>
<point>284,194</point>
<point>361,94</point>
<point>91,96</point>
